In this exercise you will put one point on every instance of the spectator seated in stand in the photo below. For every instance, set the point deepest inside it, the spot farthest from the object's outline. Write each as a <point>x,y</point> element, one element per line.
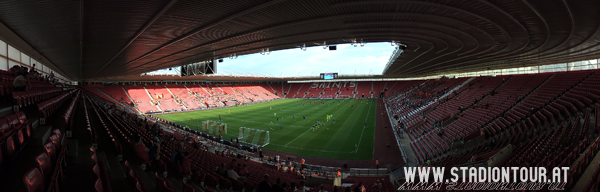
<point>300,187</point>
<point>140,149</point>
<point>21,83</point>
<point>154,148</point>
<point>186,164</point>
<point>264,185</point>
<point>244,171</point>
<point>278,187</point>
<point>232,174</point>
<point>221,170</point>
<point>177,154</point>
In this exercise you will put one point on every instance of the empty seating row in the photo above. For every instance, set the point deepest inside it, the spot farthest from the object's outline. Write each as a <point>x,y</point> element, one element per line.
<point>68,116</point>
<point>50,165</point>
<point>26,98</point>
<point>50,106</point>
<point>102,183</point>
<point>15,130</point>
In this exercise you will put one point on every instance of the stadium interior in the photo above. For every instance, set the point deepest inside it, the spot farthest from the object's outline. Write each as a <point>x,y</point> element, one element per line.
<point>469,84</point>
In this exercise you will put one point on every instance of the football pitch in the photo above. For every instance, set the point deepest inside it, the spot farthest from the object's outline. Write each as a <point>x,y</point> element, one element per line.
<point>345,139</point>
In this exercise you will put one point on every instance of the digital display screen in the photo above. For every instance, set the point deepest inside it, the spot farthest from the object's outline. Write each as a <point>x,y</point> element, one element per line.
<point>329,76</point>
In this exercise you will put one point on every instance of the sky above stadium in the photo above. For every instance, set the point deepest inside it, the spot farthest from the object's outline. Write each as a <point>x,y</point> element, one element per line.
<point>295,62</point>
<point>346,60</point>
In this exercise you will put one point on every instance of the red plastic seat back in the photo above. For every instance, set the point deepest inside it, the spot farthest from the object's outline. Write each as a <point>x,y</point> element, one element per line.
<point>96,170</point>
<point>99,187</point>
<point>211,181</point>
<point>4,126</point>
<point>44,163</point>
<point>50,149</point>
<point>21,136</point>
<point>95,158</point>
<point>138,186</point>
<point>188,188</point>
<point>237,185</point>
<point>21,116</point>
<point>11,149</point>
<point>55,140</point>
<point>33,180</point>
<point>12,120</point>
<point>58,133</point>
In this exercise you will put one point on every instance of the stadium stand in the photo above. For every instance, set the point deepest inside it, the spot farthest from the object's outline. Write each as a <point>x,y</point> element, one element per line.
<point>546,116</point>
<point>188,97</point>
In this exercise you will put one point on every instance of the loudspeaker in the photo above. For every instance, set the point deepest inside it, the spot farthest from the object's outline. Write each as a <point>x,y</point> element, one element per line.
<point>332,47</point>
<point>184,70</point>
<point>345,166</point>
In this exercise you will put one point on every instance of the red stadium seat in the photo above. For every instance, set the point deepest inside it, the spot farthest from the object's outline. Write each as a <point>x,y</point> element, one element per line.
<point>21,137</point>
<point>21,116</point>
<point>95,158</point>
<point>44,163</point>
<point>224,184</point>
<point>139,187</point>
<point>211,181</point>
<point>58,133</point>
<point>98,185</point>
<point>33,180</point>
<point>4,127</point>
<point>55,140</point>
<point>237,185</point>
<point>188,188</point>
<point>11,149</point>
<point>13,121</point>
<point>96,170</point>
<point>160,182</point>
<point>51,150</point>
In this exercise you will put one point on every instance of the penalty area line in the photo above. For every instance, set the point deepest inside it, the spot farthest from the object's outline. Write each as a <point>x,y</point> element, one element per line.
<point>297,137</point>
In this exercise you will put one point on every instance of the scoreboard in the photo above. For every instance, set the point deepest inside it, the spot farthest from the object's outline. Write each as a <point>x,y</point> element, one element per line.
<point>329,75</point>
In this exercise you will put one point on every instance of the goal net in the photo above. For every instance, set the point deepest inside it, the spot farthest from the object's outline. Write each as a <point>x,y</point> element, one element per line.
<point>254,136</point>
<point>214,127</point>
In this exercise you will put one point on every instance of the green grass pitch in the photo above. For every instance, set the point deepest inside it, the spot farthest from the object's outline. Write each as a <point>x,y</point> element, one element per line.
<point>334,141</point>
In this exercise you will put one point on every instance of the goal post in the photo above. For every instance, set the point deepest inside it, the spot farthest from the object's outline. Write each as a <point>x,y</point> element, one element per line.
<point>254,136</point>
<point>214,127</point>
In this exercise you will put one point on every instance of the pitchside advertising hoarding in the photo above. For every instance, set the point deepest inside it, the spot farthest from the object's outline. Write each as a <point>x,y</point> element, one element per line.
<point>484,178</point>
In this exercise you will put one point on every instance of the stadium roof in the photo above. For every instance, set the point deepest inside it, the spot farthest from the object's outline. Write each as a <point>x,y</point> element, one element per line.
<point>103,40</point>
